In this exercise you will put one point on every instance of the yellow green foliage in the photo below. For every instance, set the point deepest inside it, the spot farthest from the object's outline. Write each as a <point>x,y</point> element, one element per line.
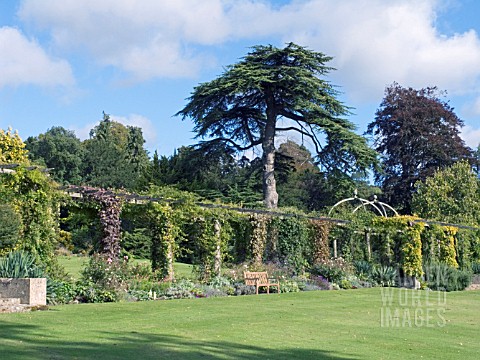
<point>12,148</point>
<point>447,246</point>
<point>405,233</point>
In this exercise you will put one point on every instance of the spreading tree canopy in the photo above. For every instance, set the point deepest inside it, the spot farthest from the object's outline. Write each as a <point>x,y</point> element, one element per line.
<point>416,133</point>
<point>452,194</point>
<point>60,150</point>
<point>242,108</point>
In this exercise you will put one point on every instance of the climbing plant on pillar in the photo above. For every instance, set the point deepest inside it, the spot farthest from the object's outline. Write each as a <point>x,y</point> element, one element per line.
<point>164,231</point>
<point>109,208</point>
<point>258,239</point>
<point>32,196</point>
<point>320,230</point>
<point>211,238</point>
<point>448,254</point>
<point>404,234</point>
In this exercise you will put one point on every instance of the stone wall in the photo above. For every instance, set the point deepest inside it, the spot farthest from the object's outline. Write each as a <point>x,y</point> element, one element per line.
<point>30,291</point>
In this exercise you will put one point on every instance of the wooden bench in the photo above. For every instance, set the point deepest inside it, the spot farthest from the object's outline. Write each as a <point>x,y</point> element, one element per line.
<point>258,279</point>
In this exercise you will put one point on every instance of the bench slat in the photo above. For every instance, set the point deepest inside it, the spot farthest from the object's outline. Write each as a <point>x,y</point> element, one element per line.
<point>260,278</point>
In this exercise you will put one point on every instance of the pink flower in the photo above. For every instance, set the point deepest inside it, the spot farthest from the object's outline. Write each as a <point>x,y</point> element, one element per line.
<point>109,260</point>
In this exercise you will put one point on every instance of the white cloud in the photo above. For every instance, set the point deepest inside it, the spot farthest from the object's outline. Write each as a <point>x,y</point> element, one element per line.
<point>374,42</point>
<point>23,61</point>
<point>148,129</point>
<point>471,136</point>
<point>147,39</point>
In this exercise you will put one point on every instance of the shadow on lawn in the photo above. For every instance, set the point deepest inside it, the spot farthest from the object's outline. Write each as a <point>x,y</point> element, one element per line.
<point>30,342</point>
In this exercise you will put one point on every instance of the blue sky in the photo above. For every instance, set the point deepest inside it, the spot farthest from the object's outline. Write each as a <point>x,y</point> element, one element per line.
<point>64,62</point>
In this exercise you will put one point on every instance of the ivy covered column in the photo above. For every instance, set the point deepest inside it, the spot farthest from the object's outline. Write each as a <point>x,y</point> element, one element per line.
<point>320,248</point>
<point>259,237</point>
<point>110,207</point>
<point>163,231</point>
<point>218,250</point>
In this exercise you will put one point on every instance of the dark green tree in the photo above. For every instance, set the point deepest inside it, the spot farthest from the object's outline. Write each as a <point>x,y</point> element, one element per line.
<point>416,133</point>
<point>60,150</point>
<point>10,227</point>
<point>243,106</point>
<point>115,156</point>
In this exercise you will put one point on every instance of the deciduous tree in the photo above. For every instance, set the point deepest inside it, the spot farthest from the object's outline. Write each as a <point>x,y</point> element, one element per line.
<point>451,194</point>
<point>60,150</point>
<point>416,133</point>
<point>115,155</point>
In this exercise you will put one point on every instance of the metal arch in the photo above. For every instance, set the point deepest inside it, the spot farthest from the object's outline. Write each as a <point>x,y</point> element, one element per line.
<point>389,207</point>
<point>373,205</point>
<point>379,206</point>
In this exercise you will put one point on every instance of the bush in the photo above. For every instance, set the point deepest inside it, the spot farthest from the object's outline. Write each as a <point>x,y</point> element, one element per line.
<point>103,279</point>
<point>476,268</point>
<point>137,243</point>
<point>10,226</point>
<point>445,278</point>
<point>363,269</point>
<point>334,270</point>
<point>384,275</point>
<point>222,284</point>
<point>287,286</point>
<point>60,292</point>
<point>19,264</point>
<point>106,272</point>
<point>89,292</point>
<point>320,282</point>
<point>242,289</point>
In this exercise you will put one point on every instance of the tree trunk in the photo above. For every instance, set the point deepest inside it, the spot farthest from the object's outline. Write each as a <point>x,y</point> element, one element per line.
<point>270,196</point>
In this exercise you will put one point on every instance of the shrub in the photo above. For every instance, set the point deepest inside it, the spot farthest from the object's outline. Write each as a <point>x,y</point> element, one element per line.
<point>19,264</point>
<point>141,271</point>
<point>320,282</point>
<point>242,289</point>
<point>106,273</point>
<point>222,284</point>
<point>10,226</point>
<point>476,268</point>
<point>363,269</point>
<point>445,278</point>
<point>90,292</point>
<point>334,270</point>
<point>384,275</point>
<point>141,295</point>
<point>103,278</point>
<point>60,292</point>
<point>287,286</point>
<point>137,243</point>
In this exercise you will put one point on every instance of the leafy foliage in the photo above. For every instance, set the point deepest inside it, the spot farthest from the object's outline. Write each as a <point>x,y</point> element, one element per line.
<point>35,197</point>
<point>241,107</point>
<point>416,133</point>
<point>445,278</point>
<point>60,150</point>
<point>12,148</point>
<point>451,195</point>
<point>19,264</point>
<point>110,207</point>
<point>115,155</point>
<point>10,227</point>
<point>402,236</point>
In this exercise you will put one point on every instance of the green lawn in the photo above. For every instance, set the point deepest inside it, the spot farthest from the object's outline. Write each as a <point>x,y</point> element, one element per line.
<point>308,325</point>
<point>74,265</point>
